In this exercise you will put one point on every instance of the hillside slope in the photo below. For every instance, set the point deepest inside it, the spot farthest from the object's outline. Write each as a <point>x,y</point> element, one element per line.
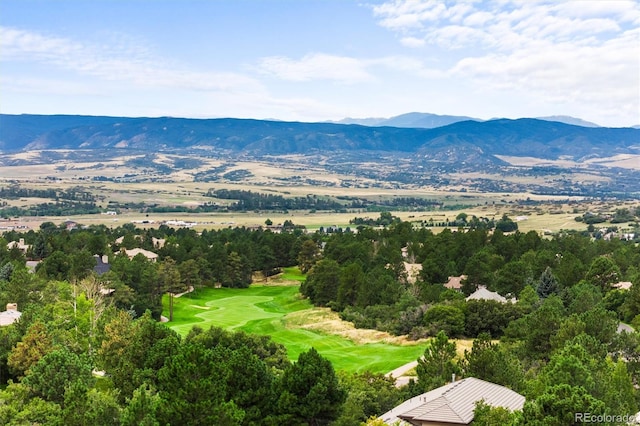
<point>481,140</point>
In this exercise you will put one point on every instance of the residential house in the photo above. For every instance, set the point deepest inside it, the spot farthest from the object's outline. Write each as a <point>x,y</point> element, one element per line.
<point>151,256</point>
<point>453,403</point>
<point>455,283</point>
<point>11,315</point>
<point>102,264</point>
<point>20,245</point>
<point>483,294</point>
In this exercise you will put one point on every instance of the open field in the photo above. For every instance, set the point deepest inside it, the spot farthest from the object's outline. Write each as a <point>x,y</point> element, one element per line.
<point>542,213</point>
<point>280,312</point>
<point>544,219</point>
<point>629,161</point>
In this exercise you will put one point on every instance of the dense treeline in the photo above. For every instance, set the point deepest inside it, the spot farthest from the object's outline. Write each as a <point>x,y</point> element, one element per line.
<point>249,200</point>
<point>59,208</point>
<point>363,276</point>
<point>71,326</point>
<point>152,375</point>
<point>226,257</point>
<point>619,216</point>
<point>557,344</point>
<point>75,193</point>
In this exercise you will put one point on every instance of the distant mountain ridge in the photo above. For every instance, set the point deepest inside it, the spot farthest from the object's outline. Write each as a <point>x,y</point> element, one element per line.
<point>410,120</point>
<point>469,141</point>
<point>569,120</point>
<point>431,121</point>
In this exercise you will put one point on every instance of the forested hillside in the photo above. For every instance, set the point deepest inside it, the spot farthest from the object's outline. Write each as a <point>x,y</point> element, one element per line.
<point>558,344</point>
<point>522,137</point>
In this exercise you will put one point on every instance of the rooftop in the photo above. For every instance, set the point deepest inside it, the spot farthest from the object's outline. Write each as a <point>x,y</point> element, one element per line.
<point>483,294</point>
<point>10,316</point>
<point>453,403</point>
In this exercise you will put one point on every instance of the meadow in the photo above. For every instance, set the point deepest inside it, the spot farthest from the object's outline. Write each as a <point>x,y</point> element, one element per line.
<point>280,312</point>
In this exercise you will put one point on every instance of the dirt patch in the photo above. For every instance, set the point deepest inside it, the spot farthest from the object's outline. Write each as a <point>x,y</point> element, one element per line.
<point>273,280</point>
<point>326,321</point>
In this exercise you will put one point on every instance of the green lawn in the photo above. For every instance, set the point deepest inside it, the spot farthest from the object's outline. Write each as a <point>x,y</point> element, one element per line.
<point>292,274</point>
<point>261,309</point>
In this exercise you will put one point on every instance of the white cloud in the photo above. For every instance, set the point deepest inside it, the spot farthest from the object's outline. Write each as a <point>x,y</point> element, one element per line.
<point>623,10</point>
<point>476,19</point>
<point>412,41</point>
<point>122,61</point>
<point>24,45</point>
<point>407,14</point>
<point>317,66</point>
<point>457,36</point>
<point>51,86</point>
<point>573,52</point>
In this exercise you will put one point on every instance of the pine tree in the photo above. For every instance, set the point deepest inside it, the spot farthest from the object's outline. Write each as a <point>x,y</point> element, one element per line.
<point>547,285</point>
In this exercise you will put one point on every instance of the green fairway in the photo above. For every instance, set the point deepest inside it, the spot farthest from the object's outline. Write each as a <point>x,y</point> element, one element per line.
<point>262,309</point>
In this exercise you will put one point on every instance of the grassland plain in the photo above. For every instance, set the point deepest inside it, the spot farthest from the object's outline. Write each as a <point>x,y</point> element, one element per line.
<point>549,218</point>
<point>554,213</point>
<point>280,312</point>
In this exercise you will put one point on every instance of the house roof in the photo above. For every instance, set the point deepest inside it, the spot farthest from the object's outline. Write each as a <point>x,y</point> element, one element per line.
<point>483,294</point>
<point>146,253</point>
<point>622,285</point>
<point>101,267</point>
<point>455,283</point>
<point>454,403</point>
<point>8,317</point>
<point>20,245</point>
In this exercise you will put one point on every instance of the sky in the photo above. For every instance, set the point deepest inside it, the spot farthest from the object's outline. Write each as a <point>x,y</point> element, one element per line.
<point>312,60</point>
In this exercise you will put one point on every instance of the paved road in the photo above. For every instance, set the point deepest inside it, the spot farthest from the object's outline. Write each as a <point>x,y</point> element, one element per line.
<point>398,373</point>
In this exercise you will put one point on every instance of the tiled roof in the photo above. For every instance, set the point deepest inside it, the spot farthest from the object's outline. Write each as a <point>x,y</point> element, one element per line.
<point>454,402</point>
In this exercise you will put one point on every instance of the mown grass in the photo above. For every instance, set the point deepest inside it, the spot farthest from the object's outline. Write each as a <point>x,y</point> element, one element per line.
<point>262,309</point>
<point>292,274</point>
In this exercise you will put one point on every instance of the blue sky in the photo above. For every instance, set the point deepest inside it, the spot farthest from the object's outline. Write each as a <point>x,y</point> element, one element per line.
<point>311,60</point>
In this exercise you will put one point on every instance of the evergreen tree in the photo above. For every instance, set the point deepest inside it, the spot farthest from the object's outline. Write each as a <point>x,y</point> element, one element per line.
<point>55,372</point>
<point>310,392</point>
<point>142,408</point>
<point>547,285</point>
<point>603,272</point>
<point>437,365</point>
<point>492,362</point>
<point>308,255</point>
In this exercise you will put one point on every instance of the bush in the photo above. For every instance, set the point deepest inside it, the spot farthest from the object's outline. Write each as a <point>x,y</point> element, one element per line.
<point>447,318</point>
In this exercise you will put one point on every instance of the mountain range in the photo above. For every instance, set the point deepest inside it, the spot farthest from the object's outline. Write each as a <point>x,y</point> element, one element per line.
<point>472,140</point>
<point>430,121</point>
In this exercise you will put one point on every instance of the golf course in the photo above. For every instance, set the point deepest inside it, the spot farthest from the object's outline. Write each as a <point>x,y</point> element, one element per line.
<point>279,311</point>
